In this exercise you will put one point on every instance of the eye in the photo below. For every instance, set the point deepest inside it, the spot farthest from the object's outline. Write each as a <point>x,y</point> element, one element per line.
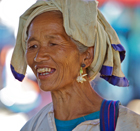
<point>52,44</point>
<point>33,47</point>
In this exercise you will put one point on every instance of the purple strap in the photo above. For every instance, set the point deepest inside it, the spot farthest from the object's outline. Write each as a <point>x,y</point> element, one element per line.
<point>108,115</point>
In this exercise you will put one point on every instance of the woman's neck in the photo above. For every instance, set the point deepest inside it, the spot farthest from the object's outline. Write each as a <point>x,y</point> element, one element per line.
<point>75,101</point>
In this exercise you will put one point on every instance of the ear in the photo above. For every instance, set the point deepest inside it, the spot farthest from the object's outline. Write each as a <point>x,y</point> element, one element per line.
<point>88,56</point>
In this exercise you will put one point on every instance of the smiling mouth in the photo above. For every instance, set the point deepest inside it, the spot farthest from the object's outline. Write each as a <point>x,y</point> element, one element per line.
<point>45,71</point>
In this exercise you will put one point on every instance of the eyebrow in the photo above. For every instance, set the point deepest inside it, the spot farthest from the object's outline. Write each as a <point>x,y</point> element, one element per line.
<point>31,39</point>
<point>51,36</point>
<point>47,36</point>
<point>55,37</point>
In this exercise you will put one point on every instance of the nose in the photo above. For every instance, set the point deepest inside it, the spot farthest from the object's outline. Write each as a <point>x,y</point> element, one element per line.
<point>42,55</point>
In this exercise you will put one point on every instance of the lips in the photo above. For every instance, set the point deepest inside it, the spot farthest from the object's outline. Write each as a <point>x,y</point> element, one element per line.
<point>43,72</point>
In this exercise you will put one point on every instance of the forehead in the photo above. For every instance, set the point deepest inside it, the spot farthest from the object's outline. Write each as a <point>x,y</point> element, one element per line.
<point>48,17</point>
<point>50,21</point>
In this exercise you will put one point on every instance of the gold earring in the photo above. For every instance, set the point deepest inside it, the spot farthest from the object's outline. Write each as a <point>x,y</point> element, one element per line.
<point>80,78</point>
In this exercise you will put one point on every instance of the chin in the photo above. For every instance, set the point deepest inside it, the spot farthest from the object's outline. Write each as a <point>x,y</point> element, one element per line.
<point>46,87</point>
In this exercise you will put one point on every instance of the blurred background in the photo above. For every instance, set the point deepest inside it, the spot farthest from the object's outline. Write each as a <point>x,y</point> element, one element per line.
<point>20,101</point>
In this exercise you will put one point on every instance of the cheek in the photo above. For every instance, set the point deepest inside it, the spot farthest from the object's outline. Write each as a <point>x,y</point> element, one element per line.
<point>29,58</point>
<point>73,64</point>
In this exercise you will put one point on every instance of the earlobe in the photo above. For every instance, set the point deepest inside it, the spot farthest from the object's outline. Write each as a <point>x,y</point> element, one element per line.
<point>89,55</point>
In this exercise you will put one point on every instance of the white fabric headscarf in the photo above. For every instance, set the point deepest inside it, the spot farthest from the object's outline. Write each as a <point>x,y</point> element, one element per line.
<point>84,23</point>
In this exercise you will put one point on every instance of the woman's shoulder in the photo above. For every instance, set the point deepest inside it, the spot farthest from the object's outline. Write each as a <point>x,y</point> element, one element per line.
<point>127,113</point>
<point>127,120</point>
<point>37,118</point>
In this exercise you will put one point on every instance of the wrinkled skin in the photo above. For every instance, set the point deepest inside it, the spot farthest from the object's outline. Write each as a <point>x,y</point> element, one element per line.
<point>48,45</point>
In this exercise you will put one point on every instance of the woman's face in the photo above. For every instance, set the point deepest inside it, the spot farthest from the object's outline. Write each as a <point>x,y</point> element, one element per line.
<point>53,57</point>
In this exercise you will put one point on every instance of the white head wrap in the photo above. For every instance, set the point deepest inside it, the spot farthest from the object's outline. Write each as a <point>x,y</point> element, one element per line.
<point>84,23</point>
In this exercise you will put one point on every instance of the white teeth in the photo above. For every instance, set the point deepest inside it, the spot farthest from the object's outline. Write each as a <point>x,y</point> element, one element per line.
<point>49,69</point>
<point>44,74</point>
<point>40,70</point>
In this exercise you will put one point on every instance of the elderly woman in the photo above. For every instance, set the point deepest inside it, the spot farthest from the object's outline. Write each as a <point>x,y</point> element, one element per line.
<point>67,43</point>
